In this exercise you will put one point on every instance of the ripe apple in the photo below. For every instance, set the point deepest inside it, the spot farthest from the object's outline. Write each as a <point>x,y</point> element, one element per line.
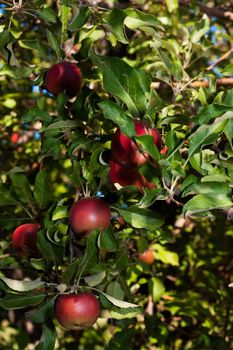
<point>125,152</point>
<point>15,137</point>
<point>164,150</point>
<point>126,176</point>
<point>24,239</point>
<point>76,311</point>
<point>89,214</point>
<point>147,257</point>
<point>64,77</point>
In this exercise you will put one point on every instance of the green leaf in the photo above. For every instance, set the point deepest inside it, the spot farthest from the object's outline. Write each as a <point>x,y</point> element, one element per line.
<point>117,302</point>
<point>173,66</point>
<point>41,314</point>
<point>147,142</point>
<point>115,20</point>
<point>228,70</point>
<point>172,5</point>
<point>107,241</point>
<point>37,114</point>
<point>113,112</point>
<point>164,255</point>
<point>63,124</point>
<point>15,72</point>
<point>141,218</point>
<point>35,45</point>
<point>64,16</point>
<point>10,302</point>
<point>150,196</point>
<point>42,190</point>
<point>205,135</point>
<point>156,288</point>
<point>48,15</point>
<point>5,38</point>
<point>95,280</point>
<point>22,286</point>
<point>206,202</point>
<point>48,338</point>
<point>90,258</point>
<point>110,310</point>
<point>206,187</point>
<point>60,212</point>
<point>54,42</point>
<point>114,289</point>
<point>7,196</point>
<point>80,19</point>
<point>137,19</point>
<point>200,29</point>
<point>228,131</point>
<point>211,112</point>
<point>129,84</point>
<point>22,187</point>
<point>53,253</point>
<point>70,273</point>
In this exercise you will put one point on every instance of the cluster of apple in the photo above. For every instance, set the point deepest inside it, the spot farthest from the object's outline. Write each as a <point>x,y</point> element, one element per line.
<point>74,311</point>
<point>127,157</point>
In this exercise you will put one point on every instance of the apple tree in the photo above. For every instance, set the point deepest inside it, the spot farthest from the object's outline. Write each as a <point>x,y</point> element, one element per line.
<point>116,173</point>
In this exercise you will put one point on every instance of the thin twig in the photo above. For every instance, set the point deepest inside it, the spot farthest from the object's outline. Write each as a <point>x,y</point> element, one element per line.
<point>196,84</point>
<point>222,58</point>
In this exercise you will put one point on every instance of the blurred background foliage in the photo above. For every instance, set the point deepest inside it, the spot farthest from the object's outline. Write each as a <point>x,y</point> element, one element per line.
<point>186,48</point>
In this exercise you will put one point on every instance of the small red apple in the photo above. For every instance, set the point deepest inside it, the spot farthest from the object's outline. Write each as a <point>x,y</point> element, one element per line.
<point>89,214</point>
<point>164,150</point>
<point>24,239</point>
<point>76,311</point>
<point>63,77</point>
<point>147,257</point>
<point>125,152</point>
<point>15,137</point>
<point>126,176</point>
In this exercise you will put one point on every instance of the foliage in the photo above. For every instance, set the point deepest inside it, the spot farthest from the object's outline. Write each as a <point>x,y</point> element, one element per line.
<point>139,59</point>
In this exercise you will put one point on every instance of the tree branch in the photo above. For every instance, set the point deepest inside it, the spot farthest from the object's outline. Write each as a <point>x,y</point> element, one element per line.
<point>210,11</point>
<point>222,58</point>
<point>197,84</point>
<point>213,11</point>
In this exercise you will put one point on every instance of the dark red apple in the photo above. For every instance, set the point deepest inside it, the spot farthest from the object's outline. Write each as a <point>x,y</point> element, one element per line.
<point>126,176</point>
<point>147,257</point>
<point>76,311</point>
<point>64,77</point>
<point>125,152</point>
<point>89,214</point>
<point>24,239</point>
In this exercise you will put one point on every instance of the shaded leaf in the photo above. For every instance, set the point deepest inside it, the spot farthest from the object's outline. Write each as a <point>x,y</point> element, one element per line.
<point>20,301</point>
<point>131,85</point>
<point>113,112</point>
<point>42,190</point>
<point>22,187</point>
<point>141,218</point>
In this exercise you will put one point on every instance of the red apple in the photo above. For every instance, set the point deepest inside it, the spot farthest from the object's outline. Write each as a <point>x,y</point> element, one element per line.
<point>126,176</point>
<point>76,311</point>
<point>125,152</point>
<point>164,150</point>
<point>147,257</point>
<point>24,239</point>
<point>15,137</point>
<point>89,214</point>
<point>64,77</point>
